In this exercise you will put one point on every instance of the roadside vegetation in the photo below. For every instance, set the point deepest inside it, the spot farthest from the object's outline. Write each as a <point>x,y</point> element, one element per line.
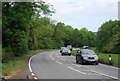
<point>108,37</point>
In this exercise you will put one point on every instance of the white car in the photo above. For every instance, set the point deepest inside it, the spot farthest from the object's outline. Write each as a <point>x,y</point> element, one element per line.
<point>65,51</point>
<point>85,47</point>
<point>70,47</point>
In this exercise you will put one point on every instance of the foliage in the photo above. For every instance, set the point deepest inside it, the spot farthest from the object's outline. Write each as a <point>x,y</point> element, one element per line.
<point>108,37</point>
<point>17,22</point>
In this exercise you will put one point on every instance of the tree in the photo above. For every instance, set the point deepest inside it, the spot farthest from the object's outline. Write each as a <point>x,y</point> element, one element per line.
<point>107,36</point>
<point>17,17</point>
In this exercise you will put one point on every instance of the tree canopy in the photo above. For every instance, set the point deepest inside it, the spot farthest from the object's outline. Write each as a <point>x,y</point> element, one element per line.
<point>107,39</point>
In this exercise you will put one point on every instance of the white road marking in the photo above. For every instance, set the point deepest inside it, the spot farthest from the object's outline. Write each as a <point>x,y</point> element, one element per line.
<point>76,70</point>
<point>59,62</point>
<point>98,72</point>
<point>35,78</point>
<point>51,57</point>
<point>29,64</point>
<point>32,74</point>
<point>104,74</point>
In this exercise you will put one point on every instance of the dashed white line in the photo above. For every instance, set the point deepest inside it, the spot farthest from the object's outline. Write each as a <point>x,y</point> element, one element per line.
<point>32,74</point>
<point>59,62</point>
<point>35,78</point>
<point>104,74</point>
<point>76,70</point>
<point>51,57</point>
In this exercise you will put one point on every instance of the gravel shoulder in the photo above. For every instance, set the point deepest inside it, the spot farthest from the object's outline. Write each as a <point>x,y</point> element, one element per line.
<point>22,75</point>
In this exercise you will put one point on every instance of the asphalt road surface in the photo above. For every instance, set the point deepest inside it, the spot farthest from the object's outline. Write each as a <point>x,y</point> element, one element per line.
<point>51,65</point>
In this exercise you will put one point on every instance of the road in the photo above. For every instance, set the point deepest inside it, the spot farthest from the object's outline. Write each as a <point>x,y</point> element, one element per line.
<point>51,65</point>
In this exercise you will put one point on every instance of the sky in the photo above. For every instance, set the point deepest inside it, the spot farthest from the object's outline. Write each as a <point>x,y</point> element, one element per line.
<point>84,13</point>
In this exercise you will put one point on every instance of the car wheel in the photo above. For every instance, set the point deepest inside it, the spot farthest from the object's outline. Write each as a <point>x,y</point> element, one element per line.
<point>76,61</point>
<point>81,62</point>
<point>96,63</point>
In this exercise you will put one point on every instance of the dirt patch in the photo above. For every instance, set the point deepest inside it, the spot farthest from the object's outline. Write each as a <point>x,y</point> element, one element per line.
<point>21,75</point>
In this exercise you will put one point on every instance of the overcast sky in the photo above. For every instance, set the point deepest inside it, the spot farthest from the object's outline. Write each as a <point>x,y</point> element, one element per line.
<point>84,13</point>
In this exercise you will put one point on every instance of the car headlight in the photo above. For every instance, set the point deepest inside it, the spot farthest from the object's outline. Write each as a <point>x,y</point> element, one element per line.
<point>96,57</point>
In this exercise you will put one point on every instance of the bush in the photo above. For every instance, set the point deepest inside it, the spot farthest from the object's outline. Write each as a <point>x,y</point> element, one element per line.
<point>7,54</point>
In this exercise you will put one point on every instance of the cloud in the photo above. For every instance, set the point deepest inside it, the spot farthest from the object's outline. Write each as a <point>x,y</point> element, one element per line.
<point>89,13</point>
<point>89,7</point>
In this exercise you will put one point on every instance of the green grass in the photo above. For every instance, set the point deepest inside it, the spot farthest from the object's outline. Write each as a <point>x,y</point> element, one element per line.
<point>103,57</point>
<point>20,63</point>
<point>74,52</point>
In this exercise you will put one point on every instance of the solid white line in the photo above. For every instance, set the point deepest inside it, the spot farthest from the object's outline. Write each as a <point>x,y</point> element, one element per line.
<point>59,62</point>
<point>51,57</point>
<point>30,65</point>
<point>35,78</point>
<point>76,70</point>
<point>104,74</point>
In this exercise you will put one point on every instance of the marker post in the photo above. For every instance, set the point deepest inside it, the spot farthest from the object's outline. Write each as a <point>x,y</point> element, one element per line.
<point>110,59</point>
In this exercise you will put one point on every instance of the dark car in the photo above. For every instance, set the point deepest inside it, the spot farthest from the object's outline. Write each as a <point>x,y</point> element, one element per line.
<point>65,51</point>
<point>86,56</point>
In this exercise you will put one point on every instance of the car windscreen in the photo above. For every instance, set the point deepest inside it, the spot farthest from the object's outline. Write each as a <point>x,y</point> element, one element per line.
<point>66,49</point>
<point>88,52</point>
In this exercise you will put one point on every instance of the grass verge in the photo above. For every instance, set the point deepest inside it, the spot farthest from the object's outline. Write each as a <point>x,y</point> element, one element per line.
<point>103,57</point>
<point>13,67</point>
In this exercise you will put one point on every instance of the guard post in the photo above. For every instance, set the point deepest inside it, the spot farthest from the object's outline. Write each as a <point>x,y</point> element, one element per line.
<point>110,59</point>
